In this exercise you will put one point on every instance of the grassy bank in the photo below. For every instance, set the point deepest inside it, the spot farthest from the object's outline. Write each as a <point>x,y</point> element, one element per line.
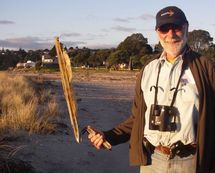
<point>26,105</point>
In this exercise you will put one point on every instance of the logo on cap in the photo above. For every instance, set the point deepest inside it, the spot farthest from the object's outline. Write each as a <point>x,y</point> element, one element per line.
<point>170,13</point>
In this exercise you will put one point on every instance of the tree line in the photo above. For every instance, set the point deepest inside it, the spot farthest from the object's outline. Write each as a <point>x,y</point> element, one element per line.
<point>133,52</point>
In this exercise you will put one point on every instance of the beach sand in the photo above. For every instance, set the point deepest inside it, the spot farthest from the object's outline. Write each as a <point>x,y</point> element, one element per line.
<point>104,100</point>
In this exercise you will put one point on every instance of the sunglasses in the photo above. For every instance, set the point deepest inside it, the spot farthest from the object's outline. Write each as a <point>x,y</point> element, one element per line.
<point>165,28</point>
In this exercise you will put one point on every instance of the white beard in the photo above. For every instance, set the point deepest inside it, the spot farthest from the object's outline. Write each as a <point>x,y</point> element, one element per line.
<point>174,46</point>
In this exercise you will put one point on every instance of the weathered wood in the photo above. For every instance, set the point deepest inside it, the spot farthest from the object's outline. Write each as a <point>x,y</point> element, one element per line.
<point>105,144</point>
<point>66,79</point>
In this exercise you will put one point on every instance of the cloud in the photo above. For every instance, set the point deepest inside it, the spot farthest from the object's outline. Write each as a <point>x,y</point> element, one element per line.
<point>6,22</point>
<point>101,46</point>
<point>105,30</point>
<point>122,20</point>
<point>129,19</point>
<point>146,17</point>
<point>25,43</point>
<point>34,43</point>
<point>124,29</point>
<point>73,34</point>
<point>74,43</point>
<point>92,36</point>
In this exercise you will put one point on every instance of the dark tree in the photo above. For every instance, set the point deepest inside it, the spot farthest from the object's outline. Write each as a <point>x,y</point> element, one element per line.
<point>199,40</point>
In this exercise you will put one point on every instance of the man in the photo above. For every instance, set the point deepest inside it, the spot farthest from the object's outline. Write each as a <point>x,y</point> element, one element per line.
<point>173,117</point>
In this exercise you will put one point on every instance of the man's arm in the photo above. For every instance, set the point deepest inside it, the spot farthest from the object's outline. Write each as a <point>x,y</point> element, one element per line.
<point>122,132</point>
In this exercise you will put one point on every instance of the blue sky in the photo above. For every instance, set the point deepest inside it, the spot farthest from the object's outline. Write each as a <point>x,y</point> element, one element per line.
<point>33,24</point>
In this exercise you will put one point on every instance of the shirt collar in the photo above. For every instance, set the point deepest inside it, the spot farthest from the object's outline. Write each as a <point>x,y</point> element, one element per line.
<point>178,58</point>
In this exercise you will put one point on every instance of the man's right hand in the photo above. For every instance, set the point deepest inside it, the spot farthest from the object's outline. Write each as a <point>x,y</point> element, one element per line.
<point>96,139</point>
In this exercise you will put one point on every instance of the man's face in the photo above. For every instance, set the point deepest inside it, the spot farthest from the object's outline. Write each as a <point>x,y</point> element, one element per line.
<point>173,38</point>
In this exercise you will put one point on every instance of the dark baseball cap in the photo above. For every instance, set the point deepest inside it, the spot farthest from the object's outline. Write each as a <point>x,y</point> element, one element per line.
<point>172,15</point>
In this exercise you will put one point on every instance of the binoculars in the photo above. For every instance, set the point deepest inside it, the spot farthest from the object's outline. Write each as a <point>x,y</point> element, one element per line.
<point>163,118</point>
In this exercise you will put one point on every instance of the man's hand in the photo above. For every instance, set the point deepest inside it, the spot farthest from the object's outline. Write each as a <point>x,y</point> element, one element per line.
<point>96,139</point>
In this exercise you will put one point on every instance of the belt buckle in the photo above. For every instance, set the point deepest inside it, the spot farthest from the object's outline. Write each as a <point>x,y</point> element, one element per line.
<point>174,149</point>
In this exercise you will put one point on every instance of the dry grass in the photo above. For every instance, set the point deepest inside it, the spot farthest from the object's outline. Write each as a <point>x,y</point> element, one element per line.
<point>25,106</point>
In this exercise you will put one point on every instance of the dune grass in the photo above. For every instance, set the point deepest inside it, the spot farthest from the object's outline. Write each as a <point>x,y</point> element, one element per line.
<point>26,105</point>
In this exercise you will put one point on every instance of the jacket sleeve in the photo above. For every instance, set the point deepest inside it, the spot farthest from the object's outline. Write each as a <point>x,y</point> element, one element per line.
<point>205,77</point>
<point>122,132</point>
<point>211,74</point>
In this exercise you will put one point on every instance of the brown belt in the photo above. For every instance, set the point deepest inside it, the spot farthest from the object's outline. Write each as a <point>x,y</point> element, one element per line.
<point>163,149</point>
<point>181,150</point>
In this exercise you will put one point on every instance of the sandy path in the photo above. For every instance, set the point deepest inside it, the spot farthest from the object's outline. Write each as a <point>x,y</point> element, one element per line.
<point>104,101</point>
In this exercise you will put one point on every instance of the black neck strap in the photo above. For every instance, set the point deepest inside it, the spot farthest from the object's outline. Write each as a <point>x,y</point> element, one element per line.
<point>184,66</point>
<point>156,86</point>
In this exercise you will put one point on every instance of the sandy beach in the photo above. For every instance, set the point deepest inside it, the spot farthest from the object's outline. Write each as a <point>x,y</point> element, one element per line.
<point>104,100</point>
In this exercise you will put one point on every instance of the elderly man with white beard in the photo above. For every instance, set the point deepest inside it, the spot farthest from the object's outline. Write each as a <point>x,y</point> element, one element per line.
<point>171,126</point>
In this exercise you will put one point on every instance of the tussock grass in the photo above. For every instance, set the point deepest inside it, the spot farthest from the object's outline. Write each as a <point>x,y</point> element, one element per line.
<point>26,105</point>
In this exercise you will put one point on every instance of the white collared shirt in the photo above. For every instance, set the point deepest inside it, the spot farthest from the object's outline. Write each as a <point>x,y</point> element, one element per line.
<point>187,100</point>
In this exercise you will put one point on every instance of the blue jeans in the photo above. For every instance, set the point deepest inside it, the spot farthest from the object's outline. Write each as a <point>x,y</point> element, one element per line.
<point>161,163</point>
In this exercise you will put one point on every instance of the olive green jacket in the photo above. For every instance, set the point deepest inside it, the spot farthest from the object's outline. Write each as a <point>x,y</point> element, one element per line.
<point>132,129</point>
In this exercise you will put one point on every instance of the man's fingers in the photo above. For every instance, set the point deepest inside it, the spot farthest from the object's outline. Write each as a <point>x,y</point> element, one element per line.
<point>90,135</point>
<point>96,140</point>
<point>99,144</point>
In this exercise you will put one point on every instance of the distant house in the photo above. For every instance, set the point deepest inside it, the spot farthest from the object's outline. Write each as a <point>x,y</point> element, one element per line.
<point>2,51</point>
<point>20,65</point>
<point>27,64</point>
<point>47,59</point>
<point>122,66</point>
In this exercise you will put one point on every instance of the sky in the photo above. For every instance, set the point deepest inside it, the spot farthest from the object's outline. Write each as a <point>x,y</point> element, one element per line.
<point>34,24</point>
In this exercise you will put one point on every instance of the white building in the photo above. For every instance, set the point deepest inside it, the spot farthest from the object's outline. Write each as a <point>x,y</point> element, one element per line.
<point>47,59</point>
<point>29,64</point>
